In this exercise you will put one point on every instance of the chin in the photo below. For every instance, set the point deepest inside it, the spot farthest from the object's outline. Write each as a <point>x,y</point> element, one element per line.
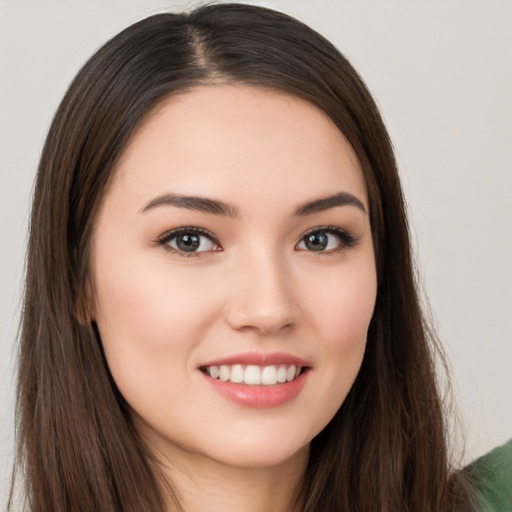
<point>241,448</point>
<point>263,457</point>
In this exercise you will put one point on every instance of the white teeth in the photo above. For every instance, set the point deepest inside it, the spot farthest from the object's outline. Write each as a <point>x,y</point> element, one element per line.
<point>237,373</point>
<point>254,375</point>
<point>224,373</point>
<point>269,376</point>
<point>281,373</point>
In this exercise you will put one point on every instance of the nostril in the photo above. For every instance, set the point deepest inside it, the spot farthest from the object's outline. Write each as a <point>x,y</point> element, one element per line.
<point>265,315</point>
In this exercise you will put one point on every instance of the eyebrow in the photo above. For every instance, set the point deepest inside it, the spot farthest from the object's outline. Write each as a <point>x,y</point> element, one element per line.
<point>326,203</point>
<point>201,204</point>
<point>216,207</point>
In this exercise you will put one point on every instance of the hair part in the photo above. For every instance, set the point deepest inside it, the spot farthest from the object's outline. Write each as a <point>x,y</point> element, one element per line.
<point>385,448</point>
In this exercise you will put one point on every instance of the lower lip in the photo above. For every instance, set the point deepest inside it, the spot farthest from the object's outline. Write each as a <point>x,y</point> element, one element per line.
<point>259,397</point>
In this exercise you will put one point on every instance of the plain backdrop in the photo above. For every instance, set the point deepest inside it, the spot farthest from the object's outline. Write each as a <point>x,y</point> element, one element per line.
<point>441,72</point>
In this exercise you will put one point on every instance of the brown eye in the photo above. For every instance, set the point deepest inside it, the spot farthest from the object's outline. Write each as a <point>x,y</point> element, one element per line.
<point>190,241</point>
<point>316,241</point>
<point>326,240</point>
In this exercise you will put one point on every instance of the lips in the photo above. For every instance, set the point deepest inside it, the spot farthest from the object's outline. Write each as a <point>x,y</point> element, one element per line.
<point>257,380</point>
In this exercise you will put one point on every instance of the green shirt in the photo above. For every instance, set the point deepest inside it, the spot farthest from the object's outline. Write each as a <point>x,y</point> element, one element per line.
<point>493,473</point>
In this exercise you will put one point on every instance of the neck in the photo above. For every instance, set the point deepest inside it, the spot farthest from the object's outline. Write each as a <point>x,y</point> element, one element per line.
<point>207,486</point>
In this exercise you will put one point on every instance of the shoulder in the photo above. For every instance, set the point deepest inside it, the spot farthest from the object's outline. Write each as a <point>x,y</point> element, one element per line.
<point>492,475</point>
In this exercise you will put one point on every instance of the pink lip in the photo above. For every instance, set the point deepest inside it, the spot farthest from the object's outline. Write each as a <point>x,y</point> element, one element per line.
<point>259,359</point>
<point>260,397</point>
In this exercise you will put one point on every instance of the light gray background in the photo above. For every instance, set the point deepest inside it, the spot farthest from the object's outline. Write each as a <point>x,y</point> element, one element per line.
<point>442,74</point>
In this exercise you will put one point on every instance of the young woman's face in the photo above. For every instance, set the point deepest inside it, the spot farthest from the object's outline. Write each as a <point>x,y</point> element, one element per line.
<point>233,252</point>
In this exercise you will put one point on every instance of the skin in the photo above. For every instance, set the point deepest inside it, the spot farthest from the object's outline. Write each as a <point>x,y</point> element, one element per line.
<point>257,288</point>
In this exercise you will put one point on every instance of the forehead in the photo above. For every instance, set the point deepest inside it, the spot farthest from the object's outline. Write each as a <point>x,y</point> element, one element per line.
<point>235,141</point>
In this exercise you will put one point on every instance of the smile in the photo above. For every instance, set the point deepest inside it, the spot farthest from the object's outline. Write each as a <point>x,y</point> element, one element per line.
<point>254,375</point>
<point>257,380</point>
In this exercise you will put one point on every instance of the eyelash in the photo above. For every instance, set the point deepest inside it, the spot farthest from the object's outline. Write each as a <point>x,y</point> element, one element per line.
<point>168,236</point>
<point>346,240</point>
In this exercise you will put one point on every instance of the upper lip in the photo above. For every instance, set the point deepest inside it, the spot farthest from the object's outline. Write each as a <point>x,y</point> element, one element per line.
<point>258,359</point>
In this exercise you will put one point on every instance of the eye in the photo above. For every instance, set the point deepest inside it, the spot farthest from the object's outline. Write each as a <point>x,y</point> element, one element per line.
<point>327,239</point>
<point>189,241</point>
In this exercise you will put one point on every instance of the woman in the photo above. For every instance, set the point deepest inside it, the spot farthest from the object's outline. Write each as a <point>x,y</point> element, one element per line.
<point>220,305</point>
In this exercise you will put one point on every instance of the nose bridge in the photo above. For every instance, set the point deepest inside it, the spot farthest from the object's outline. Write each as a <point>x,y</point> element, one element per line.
<point>261,296</point>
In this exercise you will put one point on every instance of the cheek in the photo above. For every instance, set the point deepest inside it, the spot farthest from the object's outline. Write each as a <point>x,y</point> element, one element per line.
<point>341,311</point>
<point>149,322</point>
<point>150,303</point>
<point>342,305</point>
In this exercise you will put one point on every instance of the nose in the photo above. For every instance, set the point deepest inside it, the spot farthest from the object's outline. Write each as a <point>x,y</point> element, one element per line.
<point>261,296</point>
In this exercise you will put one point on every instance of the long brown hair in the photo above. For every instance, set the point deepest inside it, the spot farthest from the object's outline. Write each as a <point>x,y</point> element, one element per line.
<point>385,449</point>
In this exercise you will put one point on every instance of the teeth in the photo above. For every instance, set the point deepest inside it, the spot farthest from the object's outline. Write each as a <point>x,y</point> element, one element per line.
<point>214,372</point>
<point>237,373</point>
<point>224,373</point>
<point>254,375</point>
<point>281,373</point>
<point>269,376</point>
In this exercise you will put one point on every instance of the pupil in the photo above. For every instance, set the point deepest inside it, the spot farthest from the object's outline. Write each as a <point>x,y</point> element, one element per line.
<point>316,241</point>
<point>187,243</point>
